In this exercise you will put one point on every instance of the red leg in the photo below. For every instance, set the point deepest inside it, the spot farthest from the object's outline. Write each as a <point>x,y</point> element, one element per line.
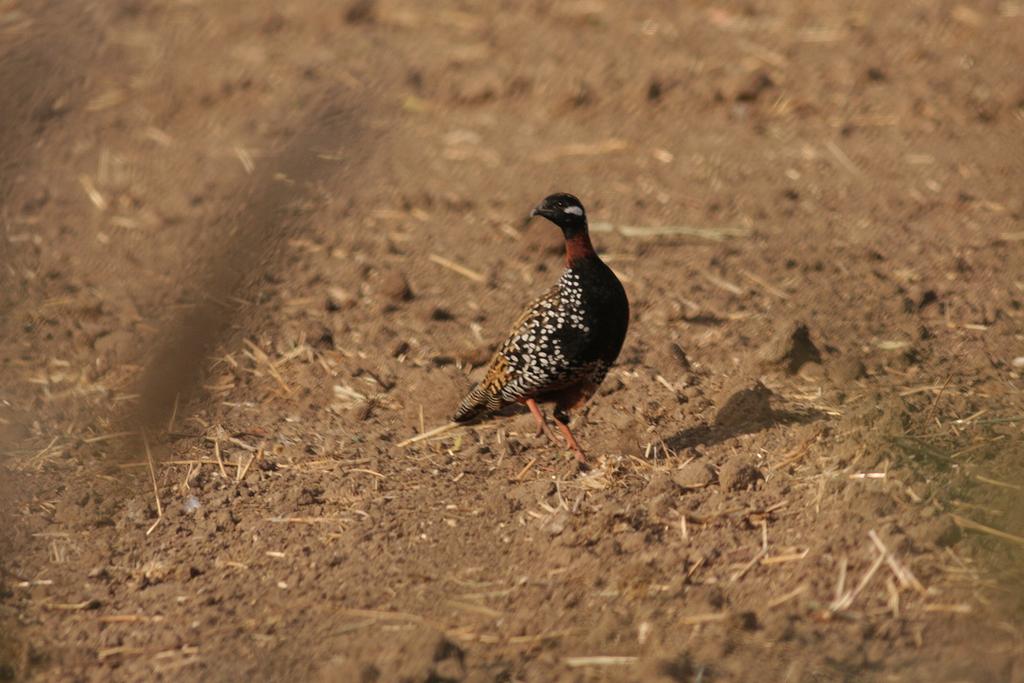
<point>542,427</point>
<point>562,419</point>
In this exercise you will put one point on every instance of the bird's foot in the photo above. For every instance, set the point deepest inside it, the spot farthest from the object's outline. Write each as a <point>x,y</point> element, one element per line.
<point>544,431</point>
<point>542,425</point>
<point>570,440</point>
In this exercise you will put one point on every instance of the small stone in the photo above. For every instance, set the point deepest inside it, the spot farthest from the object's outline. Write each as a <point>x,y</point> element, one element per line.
<point>393,286</point>
<point>1018,362</point>
<point>478,88</point>
<point>655,89</point>
<point>323,338</point>
<point>36,201</point>
<point>743,621</point>
<point>339,299</point>
<point>398,348</point>
<point>752,88</point>
<point>153,572</point>
<point>558,523</point>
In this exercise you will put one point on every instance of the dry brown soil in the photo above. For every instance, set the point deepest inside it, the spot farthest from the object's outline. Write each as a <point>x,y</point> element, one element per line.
<point>279,238</point>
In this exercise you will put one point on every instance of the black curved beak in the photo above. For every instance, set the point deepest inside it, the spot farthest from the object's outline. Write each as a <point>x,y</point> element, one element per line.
<point>541,210</point>
<point>538,210</point>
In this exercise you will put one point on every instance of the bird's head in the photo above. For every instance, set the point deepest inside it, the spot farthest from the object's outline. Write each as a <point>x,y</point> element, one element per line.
<point>565,211</point>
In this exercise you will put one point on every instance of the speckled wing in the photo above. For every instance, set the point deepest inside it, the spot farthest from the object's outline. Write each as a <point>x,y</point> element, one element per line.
<point>538,357</point>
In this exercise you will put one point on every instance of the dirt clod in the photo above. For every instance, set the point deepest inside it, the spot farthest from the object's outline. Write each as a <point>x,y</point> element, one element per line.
<point>694,475</point>
<point>789,348</point>
<point>361,12</point>
<point>845,370</point>
<point>941,532</point>
<point>738,474</point>
<point>744,405</point>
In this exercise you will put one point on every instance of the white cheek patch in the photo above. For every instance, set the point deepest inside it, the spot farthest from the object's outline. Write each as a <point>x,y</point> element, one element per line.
<point>574,210</point>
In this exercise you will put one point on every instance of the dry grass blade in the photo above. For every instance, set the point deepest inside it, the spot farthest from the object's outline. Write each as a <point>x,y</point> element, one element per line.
<point>174,412</point>
<point>306,520</point>
<point>598,660</point>
<point>845,600</point>
<point>903,575</point>
<point>722,284</point>
<point>788,557</point>
<point>156,489</point>
<point>529,639</point>
<point>130,618</point>
<point>106,437</point>
<point>477,609</point>
<point>965,523</point>
<point>383,614</point>
<point>952,609</point>
<point>583,149</point>
<point>92,603</point>
<point>457,268</point>
<point>931,408</point>
<point>220,460</point>
<point>526,468</point>
<point>426,435</point>
<point>163,654</point>
<point>98,200</point>
<point>707,618</point>
<point>786,597</point>
<point>843,160</point>
<point>711,234</point>
<point>996,482</point>
<point>764,284</point>
<point>241,472</point>
<point>746,568</point>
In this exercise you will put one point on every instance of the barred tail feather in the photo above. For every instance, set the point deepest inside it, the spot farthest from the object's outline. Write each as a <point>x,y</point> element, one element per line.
<point>476,403</point>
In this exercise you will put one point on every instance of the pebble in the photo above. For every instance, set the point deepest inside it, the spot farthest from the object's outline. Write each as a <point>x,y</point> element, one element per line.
<point>338,299</point>
<point>394,286</point>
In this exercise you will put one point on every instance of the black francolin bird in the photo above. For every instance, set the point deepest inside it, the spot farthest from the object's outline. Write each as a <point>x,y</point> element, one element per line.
<point>562,346</point>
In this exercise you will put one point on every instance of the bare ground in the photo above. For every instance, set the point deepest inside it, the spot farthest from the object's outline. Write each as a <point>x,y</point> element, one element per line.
<point>278,241</point>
